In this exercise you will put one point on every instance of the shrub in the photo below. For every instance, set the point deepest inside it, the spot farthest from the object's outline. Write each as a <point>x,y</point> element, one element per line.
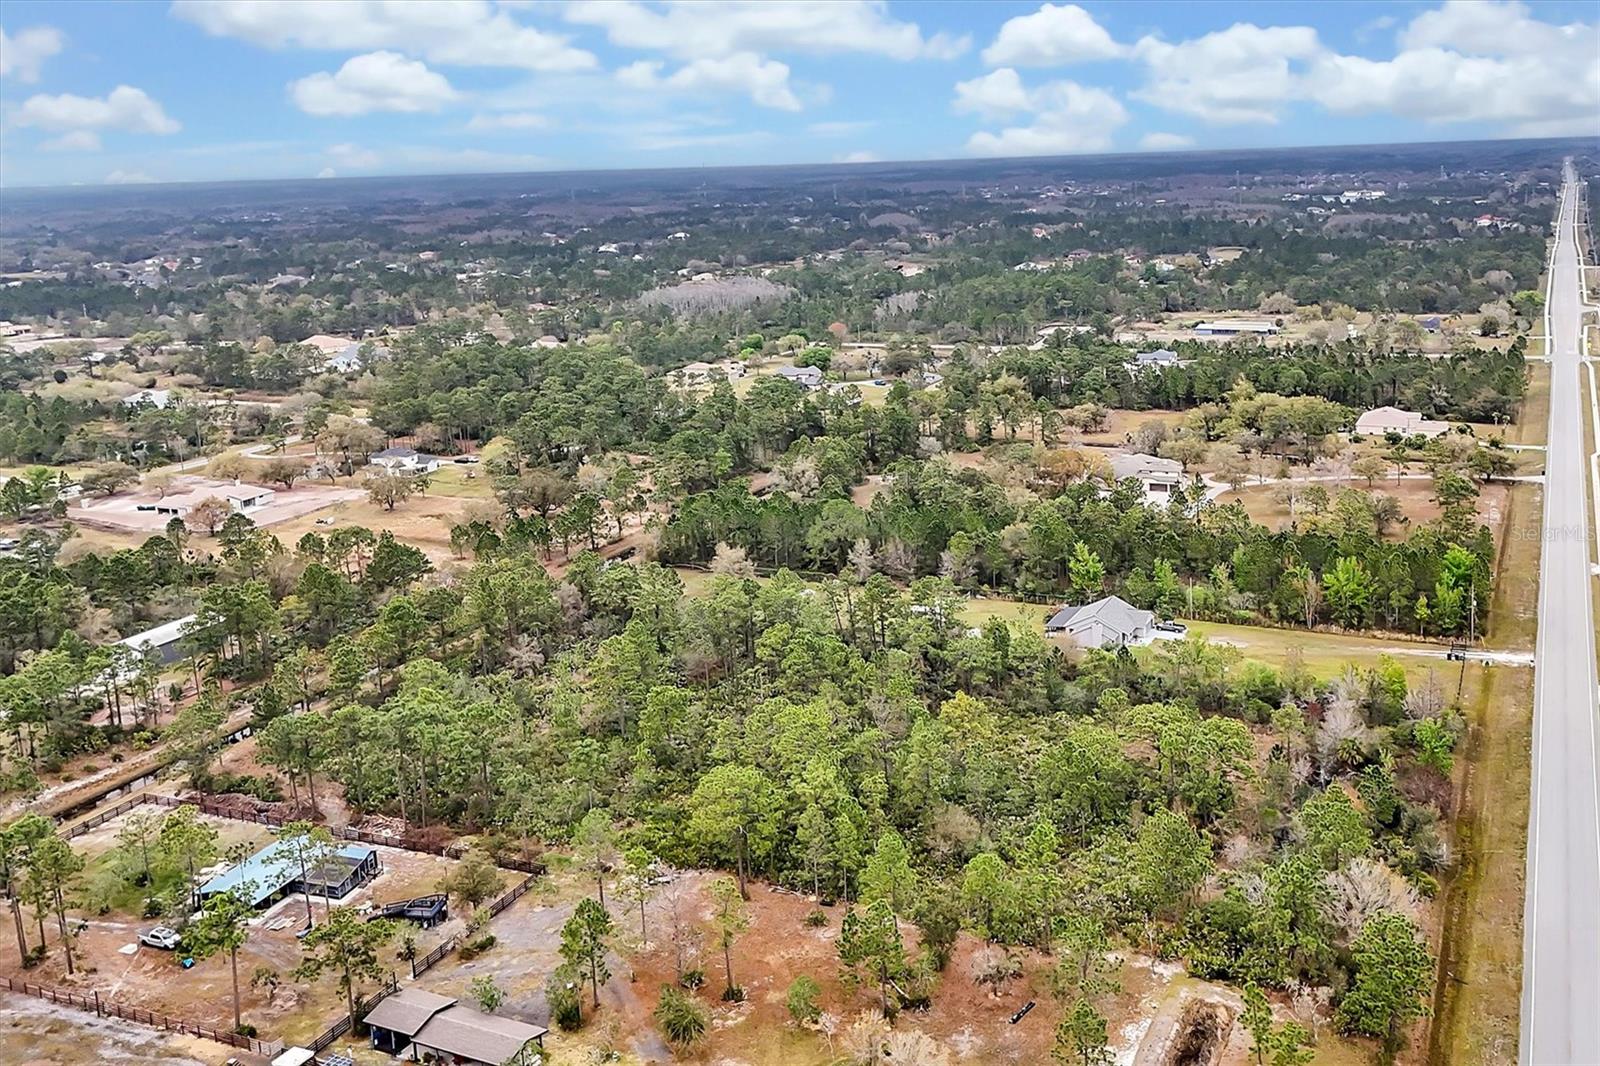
<point>817,918</point>
<point>683,1021</point>
<point>802,1000</point>
<point>473,948</point>
<point>692,979</point>
<point>561,992</point>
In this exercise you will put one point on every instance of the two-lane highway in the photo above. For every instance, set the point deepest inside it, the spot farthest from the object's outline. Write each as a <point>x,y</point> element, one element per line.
<point>1561,935</point>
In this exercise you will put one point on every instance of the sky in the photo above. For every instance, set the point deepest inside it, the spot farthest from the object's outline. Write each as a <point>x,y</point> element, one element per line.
<point>206,90</point>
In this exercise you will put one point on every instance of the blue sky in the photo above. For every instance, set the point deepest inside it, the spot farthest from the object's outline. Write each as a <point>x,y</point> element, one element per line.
<point>95,92</point>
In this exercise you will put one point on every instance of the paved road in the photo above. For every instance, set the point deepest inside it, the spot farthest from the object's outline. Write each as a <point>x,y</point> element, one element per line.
<point>1561,944</point>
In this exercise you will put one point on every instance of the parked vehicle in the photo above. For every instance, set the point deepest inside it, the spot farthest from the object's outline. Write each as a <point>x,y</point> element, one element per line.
<point>1171,627</point>
<point>162,937</point>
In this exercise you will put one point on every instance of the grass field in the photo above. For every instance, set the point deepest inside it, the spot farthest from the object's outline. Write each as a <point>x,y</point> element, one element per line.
<point>1533,418</point>
<point>1477,1001</point>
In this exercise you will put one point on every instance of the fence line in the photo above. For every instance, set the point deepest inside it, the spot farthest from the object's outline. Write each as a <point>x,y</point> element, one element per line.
<point>92,1003</point>
<point>427,962</point>
<point>207,805</point>
<point>211,806</point>
<point>90,824</point>
<point>342,1026</point>
<point>510,896</point>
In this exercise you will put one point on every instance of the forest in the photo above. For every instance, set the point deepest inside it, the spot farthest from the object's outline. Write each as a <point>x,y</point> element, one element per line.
<point>856,739</point>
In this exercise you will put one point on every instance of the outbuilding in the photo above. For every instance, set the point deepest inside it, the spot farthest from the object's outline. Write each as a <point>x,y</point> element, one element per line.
<point>427,1027</point>
<point>1381,421</point>
<point>1231,329</point>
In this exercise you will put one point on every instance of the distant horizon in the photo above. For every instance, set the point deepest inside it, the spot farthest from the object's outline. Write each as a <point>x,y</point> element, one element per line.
<point>865,166</point>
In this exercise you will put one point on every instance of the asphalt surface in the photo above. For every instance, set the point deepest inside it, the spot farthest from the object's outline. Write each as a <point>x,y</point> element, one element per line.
<point>1561,938</point>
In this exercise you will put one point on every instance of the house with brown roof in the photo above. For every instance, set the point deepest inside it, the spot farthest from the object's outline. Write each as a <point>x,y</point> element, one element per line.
<point>421,1026</point>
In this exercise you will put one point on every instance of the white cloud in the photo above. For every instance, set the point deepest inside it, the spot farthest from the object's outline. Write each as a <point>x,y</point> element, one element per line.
<point>858,157</point>
<point>507,121</point>
<point>692,30</point>
<point>1467,61</point>
<point>766,81</point>
<point>1062,116</point>
<point>467,33</point>
<point>1157,141</point>
<point>1051,36</point>
<point>377,81</point>
<point>1479,62</point>
<point>997,95</point>
<point>125,108</point>
<point>73,141</point>
<point>128,177</point>
<point>22,56</point>
<point>327,172</point>
<point>1243,74</point>
<point>1484,27</point>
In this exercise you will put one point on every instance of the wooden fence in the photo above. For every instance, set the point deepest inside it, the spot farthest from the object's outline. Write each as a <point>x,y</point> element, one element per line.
<point>422,965</point>
<point>211,806</point>
<point>342,1026</point>
<point>428,961</point>
<point>517,892</point>
<point>104,816</point>
<point>92,1003</point>
<point>207,805</point>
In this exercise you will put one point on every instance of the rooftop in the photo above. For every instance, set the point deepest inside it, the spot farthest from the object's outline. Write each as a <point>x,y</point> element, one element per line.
<point>1113,612</point>
<point>467,1034</point>
<point>265,873</point>
<point>408,1010</point>
<point>155,637</point>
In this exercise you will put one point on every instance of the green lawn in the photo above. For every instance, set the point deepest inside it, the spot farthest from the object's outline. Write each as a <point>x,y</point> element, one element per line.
<point>452,480</point>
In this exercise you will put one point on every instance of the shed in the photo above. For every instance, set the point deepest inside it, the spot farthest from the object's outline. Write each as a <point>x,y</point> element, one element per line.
<point>461,1035</point>
<point>398,1018</point>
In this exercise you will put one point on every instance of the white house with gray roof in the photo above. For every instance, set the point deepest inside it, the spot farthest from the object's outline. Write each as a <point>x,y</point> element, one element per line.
<point>807,377</point>
<point>1111,622</point>
<point>1159,477</point>
<point>1156,360</point>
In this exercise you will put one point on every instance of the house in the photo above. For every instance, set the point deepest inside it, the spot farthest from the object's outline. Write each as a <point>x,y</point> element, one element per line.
<point>425,1026</point>
<point>1159,477</point>
<point>1158,359</point>
<point>807,377</point>
<point>405,461</point>
<point>153,397</point>
<point>244,498</point>
<point>1111,622</point>
<point>162,639</point>
<point>1381,421</point>
<point>690,374</point>
<point>347,360</point>
<point>1233,329</point>
<point>272,874</point>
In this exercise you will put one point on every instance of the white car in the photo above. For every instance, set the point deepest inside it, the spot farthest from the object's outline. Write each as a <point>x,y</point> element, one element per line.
<point>161,937</point>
